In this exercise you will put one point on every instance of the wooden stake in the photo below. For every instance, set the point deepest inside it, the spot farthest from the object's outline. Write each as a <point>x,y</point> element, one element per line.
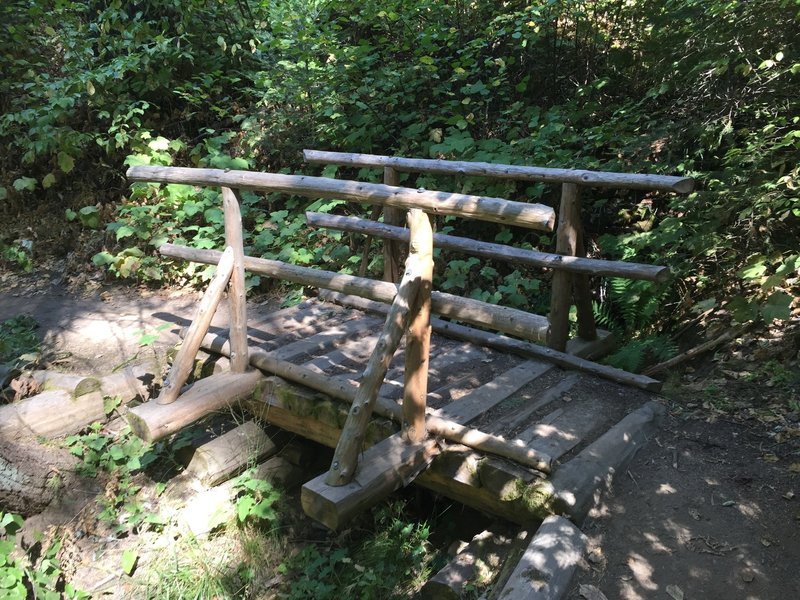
<point>415,390</point>
<point>582,292</point>
<point>237,299</point>
<point>182,366</point>
<point>345,458</point>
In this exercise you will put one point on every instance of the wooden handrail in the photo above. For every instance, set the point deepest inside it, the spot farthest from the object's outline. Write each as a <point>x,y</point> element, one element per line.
<point>498,210</point>
<point>587,266</point>
<point>665,183</point>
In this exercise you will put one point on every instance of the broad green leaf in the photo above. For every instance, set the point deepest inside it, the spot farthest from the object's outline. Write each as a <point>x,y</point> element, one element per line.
<point>125,231</point>
<point>65,162</point>
<point>129,558</point>
<point>159,144</point>
<point>48,181</point>
<point>3,193</point>
<point>25,184</point>
<point>777,306</point>
<point>70,214</point>
<point>742,310</point>
<point>243,507</point>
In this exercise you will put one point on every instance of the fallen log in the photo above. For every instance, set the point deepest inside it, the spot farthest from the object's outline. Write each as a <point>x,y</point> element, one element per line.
<point>59,412</point>
<point>575,264</point>
<point>500,318</point>
<point>479,562</point>
<point>75,385</point>
<point>31,475</point>
<point>498,210</point>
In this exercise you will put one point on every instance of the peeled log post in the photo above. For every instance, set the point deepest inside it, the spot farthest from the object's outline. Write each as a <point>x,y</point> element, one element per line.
<point>515,450</point>
<point>497,210</point>
<point>392,217</point>
<point>573,264</point>
<point>345,458</point>
<point>184,361</point>
<point>237,296</point>
<point>418,346</point>
<point>500,318</point>
<point>566,243</point>
<point>632,181</point>
<point>582,290</point>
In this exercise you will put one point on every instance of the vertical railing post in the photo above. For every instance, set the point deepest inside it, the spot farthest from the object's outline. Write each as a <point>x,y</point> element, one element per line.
<point>567,244</point>
<point>392,249</point>
<point>418,342</point>
<point>237,298</point>
<point>581,287</point>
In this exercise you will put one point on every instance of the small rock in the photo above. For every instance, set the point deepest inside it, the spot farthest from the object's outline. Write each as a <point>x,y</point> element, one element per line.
<point>788,495</point>
<point>596,556</point>
<point>695,514</point>
<point>747,575</point>
<point>675,592</point>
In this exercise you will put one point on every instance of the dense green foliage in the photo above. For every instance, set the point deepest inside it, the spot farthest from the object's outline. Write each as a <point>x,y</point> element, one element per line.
<point>707,88</point>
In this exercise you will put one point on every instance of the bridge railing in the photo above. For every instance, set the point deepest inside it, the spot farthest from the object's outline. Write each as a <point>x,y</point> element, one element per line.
<point>570,284</point>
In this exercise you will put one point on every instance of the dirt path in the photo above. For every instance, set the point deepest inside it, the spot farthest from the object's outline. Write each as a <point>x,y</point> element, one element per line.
<point>709,509</point>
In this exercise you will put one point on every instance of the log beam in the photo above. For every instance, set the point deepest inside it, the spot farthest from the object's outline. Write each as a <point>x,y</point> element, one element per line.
<point>152,421</point>
<point>497,210</point>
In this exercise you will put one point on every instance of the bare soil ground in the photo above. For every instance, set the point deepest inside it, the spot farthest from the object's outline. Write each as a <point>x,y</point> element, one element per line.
<point>709,509</point>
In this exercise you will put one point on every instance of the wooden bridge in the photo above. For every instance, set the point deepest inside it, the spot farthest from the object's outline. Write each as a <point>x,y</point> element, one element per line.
<point>470,403</point>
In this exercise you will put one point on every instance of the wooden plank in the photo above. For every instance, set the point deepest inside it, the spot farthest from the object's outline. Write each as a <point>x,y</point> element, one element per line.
<point>289,319</point>
<point>498,210</point>
<point>184,360</point>
<point>450,430</point>
<point>519,347</point>
<point>490,394</point>
<point>562,430</point>
<point>152,421</point>
<point>500,318</point>
<point>321,342</point>
<point>513,419</point>
<point>632,181</point>
<point>237,299</point>
<point>547,566</point>
<point>387,466</point>
<point>578,482</point>
<point>534,258</point>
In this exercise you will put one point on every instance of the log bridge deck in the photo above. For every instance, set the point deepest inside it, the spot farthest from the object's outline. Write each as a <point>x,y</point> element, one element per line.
<point>494,422</point>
